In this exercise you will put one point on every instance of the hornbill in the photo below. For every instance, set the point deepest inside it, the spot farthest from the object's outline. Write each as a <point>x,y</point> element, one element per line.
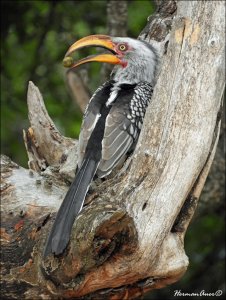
<point>111,123</point>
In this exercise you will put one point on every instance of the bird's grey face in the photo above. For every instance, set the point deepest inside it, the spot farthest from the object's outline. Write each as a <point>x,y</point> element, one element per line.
<point>128,49</point>
<point>139,61</point>
<point>135,60</point>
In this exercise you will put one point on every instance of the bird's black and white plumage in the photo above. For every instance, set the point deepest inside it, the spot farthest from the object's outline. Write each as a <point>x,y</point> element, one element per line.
<point>111,124</point>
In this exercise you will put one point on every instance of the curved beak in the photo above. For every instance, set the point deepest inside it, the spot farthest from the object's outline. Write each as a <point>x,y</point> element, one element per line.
<point>102,41</point>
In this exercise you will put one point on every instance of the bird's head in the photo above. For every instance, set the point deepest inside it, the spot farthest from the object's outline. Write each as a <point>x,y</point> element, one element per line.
<point>134,60</point>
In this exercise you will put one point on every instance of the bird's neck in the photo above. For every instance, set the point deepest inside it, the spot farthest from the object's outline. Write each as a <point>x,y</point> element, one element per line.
<point>143,70</point>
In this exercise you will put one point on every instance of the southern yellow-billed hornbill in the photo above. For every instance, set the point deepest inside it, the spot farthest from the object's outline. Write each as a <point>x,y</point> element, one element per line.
<point>111,123</point>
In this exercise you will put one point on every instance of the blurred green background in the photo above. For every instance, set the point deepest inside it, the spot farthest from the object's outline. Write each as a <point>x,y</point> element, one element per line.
<point>34,38</point>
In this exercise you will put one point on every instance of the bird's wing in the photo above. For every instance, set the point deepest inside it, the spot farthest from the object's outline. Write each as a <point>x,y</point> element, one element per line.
<point>121,132</point>
<point>91,116</point>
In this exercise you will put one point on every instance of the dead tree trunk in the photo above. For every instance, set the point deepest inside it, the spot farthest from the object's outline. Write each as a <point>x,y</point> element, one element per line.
<point>129,238</point>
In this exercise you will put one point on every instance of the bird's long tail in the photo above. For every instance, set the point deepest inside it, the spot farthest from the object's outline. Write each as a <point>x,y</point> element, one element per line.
<point>70,207</point>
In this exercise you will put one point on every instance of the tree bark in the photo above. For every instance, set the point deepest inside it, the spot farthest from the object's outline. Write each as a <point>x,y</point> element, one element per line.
<point>129,238</point>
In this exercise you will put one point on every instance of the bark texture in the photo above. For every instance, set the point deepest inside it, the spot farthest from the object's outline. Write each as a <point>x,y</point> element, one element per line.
<point>129,238</point>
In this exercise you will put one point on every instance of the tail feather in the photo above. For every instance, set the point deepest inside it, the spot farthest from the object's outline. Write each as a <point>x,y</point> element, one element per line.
<point>70,208</point>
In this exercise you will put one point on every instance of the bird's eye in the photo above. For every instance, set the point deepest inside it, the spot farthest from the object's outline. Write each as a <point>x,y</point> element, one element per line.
<point>122,47</point>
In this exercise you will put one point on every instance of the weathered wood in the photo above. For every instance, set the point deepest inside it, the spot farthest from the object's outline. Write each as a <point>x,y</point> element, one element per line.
<point>44,143</point>
<point>130,238</point>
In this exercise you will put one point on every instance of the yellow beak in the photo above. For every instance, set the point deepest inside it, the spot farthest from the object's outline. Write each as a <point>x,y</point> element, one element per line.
<point>103,41</point>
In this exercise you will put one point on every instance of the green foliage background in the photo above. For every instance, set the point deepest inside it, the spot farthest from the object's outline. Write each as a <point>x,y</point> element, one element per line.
<point>34,38</point>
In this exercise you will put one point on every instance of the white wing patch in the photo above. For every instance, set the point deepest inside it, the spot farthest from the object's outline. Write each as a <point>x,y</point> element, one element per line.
<point>113,95</point>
